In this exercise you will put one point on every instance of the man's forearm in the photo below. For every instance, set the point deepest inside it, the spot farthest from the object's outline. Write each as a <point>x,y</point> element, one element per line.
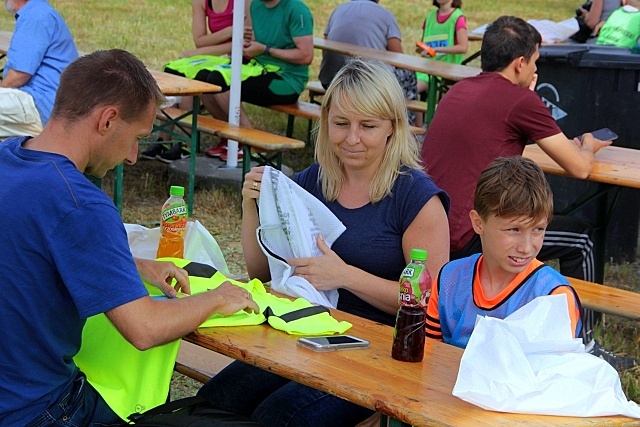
<point>15,79</point>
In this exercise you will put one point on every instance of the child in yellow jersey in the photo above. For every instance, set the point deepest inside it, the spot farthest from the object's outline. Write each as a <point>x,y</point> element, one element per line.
<point>512,206</point>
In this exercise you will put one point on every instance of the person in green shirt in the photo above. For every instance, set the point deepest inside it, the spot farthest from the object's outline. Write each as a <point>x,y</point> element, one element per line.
<point>282,38</point>
<point>623,26</point>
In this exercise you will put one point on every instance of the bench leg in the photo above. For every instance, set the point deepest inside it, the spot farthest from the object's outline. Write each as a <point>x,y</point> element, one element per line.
<point>118,176</point>
<point>391,422</point>
<point>246,160</point>
<point>309,128</point>
<point>290,123</point>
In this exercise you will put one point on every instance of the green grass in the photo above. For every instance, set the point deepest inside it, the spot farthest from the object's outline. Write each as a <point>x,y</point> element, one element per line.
<point>158,30</point>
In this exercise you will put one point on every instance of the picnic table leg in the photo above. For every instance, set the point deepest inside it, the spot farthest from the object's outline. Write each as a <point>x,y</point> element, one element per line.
<point>432,96</point>
<point>194,152</point>
<point>118,177</point>
<point>391,422</point>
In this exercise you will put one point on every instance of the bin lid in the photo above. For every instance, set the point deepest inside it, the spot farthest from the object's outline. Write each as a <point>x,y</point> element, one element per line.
<point>594,56</point>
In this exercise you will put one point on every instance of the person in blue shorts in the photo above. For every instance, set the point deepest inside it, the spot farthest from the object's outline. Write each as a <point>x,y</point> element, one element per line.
<point>40,49</point>
<point>65,251</point>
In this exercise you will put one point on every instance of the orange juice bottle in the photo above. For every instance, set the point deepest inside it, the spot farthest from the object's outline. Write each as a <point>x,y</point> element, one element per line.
<point>173,225</point>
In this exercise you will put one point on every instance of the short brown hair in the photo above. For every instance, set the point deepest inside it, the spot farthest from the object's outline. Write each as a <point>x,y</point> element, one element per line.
<point>105,77</point>
<point>513,187</point>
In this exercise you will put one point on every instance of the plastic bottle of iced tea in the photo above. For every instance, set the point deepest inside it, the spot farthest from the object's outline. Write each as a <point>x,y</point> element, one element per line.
<point>413,296</point>
<point>173,225</point>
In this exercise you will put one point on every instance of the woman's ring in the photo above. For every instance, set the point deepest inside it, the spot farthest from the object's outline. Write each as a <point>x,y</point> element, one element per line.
<point>254,186</point>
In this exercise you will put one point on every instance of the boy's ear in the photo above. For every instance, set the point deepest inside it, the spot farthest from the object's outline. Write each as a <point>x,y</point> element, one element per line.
<point>476,222</point>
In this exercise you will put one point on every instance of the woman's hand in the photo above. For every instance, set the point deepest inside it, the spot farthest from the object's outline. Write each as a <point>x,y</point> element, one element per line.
<point>325,272</point>
<point>252,182</point>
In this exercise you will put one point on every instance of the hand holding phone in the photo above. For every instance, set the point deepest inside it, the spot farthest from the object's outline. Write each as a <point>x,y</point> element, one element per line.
<point>426,48</point>
<point>604,134</point>
<point>332,342</point>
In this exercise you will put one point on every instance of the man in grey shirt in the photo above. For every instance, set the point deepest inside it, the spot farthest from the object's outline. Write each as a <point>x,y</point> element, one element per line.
<point>361,22</point>
<point>365,23</point>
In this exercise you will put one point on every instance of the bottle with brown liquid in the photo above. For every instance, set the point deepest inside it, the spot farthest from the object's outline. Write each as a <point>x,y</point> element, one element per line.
<point>414,293</point>
<point>173,225</point>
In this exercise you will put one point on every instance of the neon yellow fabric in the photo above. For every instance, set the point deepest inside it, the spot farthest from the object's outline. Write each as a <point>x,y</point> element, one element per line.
<point>128,379</point>
<point>131,381</point>
<point>190,67</point>
<point>318,324</point>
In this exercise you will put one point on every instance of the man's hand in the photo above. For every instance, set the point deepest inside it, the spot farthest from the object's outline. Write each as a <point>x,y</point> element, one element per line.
<point>161,274</point>
<point>534,81</point>
<point>591,144</point>
<point>235,299</point>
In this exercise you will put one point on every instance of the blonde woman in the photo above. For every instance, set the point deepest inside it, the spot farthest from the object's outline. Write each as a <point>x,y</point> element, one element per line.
<point>367,173</point>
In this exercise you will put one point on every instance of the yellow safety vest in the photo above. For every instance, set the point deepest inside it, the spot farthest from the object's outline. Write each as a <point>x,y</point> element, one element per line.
<point>130,380</point>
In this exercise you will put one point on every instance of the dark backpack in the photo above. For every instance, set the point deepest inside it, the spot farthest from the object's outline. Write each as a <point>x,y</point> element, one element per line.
<point>189,412</point>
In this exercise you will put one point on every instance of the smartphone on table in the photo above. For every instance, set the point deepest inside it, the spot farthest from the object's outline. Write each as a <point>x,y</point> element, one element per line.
<point>332,342</point>
<point>604,134</point>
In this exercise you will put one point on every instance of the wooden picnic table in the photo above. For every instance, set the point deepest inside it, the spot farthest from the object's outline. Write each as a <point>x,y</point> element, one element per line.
<point>615,167</point>
<point>414,393</point>
<point>436,69</point>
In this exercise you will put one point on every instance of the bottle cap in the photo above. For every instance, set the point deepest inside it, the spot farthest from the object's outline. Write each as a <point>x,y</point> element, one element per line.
<point>419,254</point>
<point>176,190</point>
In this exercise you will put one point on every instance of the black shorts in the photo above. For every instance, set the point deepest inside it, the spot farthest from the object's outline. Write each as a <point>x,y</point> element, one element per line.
<point>255,90</point>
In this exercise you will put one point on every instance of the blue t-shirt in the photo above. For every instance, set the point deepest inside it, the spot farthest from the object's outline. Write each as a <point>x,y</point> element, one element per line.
<point>373,239</point>
<point>41,46</point>
<point>65,258</point>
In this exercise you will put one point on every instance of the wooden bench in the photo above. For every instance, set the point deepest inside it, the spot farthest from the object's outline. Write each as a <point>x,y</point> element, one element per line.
<point>199,363</point>
<point>264,147</point>
<point>311,112</point>
<point>315,89</point>
<point>607,299</point>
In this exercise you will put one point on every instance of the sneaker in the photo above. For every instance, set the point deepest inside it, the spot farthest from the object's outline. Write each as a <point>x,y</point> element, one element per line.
<point>178,151</point>
<point>216,151</point>
<point>154,151</point>
<point>224,157</point>
<point>620,363</point>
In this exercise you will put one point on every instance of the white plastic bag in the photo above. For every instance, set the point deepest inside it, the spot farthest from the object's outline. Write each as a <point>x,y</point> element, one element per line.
<point>530,363</point>
<point>199,245</point>
<point>290,221</point>
<point>555,32</point>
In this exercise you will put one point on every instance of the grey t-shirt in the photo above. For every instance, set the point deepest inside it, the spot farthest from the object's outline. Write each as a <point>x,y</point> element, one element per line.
<point>359,22</point>
<point>608,7</point>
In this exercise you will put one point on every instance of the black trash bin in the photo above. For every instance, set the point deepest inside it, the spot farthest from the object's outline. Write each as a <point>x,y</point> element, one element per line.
<point>588,87</point>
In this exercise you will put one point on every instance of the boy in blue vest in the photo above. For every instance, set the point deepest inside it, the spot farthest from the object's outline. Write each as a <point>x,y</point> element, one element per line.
<point>512,206</point>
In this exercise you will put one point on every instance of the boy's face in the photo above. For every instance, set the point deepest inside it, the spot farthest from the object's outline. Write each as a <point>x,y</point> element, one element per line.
<point>509,243</point>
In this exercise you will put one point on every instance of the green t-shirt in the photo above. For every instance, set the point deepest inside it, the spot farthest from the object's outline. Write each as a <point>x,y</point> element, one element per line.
<point>277,27</point>
<point>622,28</point>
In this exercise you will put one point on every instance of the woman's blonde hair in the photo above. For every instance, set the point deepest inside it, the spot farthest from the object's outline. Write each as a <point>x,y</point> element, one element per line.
<point>368,88</point>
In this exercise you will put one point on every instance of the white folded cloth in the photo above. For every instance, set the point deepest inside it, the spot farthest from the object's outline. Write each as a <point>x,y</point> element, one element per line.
<point>290,221</point>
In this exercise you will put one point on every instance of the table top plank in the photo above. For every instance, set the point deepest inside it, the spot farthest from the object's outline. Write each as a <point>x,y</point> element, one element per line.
<point>614,165</point>
<point>442,69</point>
<point>416,393</point>
<point>172,85</point>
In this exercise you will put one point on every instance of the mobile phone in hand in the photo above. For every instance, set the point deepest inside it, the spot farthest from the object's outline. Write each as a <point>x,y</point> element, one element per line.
<point>332,342</point>
<point>604,134</point>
